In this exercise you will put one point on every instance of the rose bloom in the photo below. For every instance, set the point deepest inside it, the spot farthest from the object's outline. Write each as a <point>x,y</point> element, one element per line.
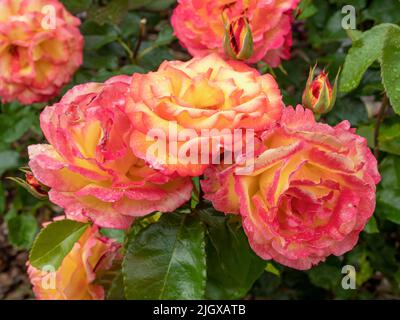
<point>199,26</point>
<point>89,166</point>
<point>74,279</point>
<point>40,49</point>
<point>311,192</point>
<point>202,94</point>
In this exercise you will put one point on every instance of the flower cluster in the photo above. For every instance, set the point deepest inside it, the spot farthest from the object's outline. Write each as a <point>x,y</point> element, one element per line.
<point>130,146</point>
<point>40,49</point>
<point>309,193</point>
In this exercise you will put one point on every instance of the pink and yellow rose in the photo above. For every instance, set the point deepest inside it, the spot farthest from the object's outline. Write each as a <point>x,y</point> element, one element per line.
<point>202,94</point>
<point>74,280</point>
<point>200,26</point>
<point>40,49</point>
<point>311,192</point>
<point>89,165</point>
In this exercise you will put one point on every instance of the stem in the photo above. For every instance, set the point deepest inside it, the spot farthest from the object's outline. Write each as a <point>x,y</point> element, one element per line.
<point>142,31</point>
<point>381,115</point>
<point>127,49</point>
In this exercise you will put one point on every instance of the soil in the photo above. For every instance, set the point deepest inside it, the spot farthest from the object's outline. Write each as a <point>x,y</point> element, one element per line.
<point>14,282</point>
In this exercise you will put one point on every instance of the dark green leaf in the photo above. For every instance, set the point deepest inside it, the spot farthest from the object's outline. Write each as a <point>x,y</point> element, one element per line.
<point>384,11</point>
<point>22,230</point>
<point>232,267</point>
<point>76,6</point>
<point>325,276</point>
<point>54,242</point>
<point>135,4</point>
<point>15,124</point>
<point>159,5</point>
<point>371,226</point>
<point>9,159</point>
<point>166,260</point>
<point>389,137</point>
<point>390,172</point>
<point>111,13</point>
<point>388,204</point>
<point>116,291</point>
<point>391,67</point>
<point>95,42</point>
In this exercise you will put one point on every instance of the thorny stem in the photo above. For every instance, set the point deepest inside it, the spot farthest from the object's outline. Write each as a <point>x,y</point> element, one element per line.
<point>142,31</point>
<point>381,115</point>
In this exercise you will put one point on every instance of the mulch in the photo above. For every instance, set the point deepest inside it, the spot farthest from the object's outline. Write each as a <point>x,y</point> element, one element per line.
<point>14,282</point>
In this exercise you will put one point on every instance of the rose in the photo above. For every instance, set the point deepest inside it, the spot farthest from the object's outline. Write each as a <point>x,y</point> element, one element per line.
<point>74,279</point>
<point>201,25</point>
<point>40,49</point>
<point>189,98</point>
<point>311,193</point>
<point>89,166</point>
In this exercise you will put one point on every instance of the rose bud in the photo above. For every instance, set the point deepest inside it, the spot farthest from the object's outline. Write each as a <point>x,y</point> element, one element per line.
<point>238,39</point>
<point>319,95</point>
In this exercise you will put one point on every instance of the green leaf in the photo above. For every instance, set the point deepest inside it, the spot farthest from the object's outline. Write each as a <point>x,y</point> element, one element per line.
<point>135,4</point>
<point>95,42</point>
<point>160,5</point>
<point>9,159</point>
<point>389,137</point>
<point>165,36</point>
<point>383,11</point>
<point>111,13</point>
<point>391,67</point>
<point>22,230</point>
<point>116,291</point>
<point>306,9</point>
<point>390,172</point>
<point>166,260</point>
<point>272,269</point>
<point>364,52</point>
<point>371,226</point>
<point>359,259</point>
<point>76,6</point>
<point>54,242</point>
<point>388,195</point>
<point>116,234</point>
<point>325,276</point>
<point>348,108</point>
<point>232,266</point>
<point>15,124</point>
<point>388,204</point>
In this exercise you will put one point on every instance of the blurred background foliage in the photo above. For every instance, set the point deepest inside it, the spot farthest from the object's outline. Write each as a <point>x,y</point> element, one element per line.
<point>127,36</point>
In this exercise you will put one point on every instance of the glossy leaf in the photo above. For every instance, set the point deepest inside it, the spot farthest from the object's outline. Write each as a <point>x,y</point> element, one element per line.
<point>232,267</point>
<point>166,260</point>
<point>391,67</point>
<point>364,52</point>
<point>54,242</point>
